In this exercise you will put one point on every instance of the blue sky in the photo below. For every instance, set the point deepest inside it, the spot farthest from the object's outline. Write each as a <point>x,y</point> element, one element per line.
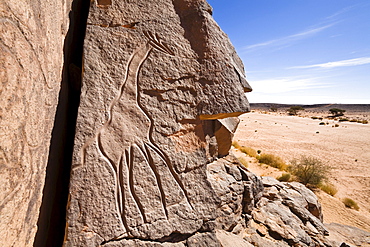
<point>301,51</point>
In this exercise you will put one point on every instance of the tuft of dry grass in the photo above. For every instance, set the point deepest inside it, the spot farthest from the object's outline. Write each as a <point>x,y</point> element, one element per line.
<point>343,120</point>
<point>248,151</point>
<point>243,161</point>
<point>328,188</point>
<point>349,203</point>
<point>272,160</point>
<point>236,145</point>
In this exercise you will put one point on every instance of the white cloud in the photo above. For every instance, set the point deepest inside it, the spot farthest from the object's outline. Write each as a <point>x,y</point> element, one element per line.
<point>282,85</point>
<point>345,10</point>
<point>342,63</point>
<point>288,39</point>
<point>303,98</point>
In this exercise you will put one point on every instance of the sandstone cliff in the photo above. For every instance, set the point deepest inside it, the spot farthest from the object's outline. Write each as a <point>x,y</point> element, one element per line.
<point>32,37</point>
<point>144,162</point>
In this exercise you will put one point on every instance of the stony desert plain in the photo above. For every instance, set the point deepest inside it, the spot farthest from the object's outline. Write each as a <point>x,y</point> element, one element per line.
<point>343,146</point>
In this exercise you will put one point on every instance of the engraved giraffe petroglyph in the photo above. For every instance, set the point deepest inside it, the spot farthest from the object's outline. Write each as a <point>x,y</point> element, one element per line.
<point>125,142</point>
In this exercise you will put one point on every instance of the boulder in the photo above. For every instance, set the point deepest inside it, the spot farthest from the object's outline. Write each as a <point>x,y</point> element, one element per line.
<point>290,213</point>
<point>342,235</point>
<point>32,35</point>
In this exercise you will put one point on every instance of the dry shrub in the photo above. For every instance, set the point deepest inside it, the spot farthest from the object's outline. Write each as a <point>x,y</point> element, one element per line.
<point>349,203</point>
<point>248,151</point>
<point>243,161</point>
<point>272,160</point>
<point>236,145</point>
<point>309,170</point>
<point>328,188</point>
<point>285,177</point>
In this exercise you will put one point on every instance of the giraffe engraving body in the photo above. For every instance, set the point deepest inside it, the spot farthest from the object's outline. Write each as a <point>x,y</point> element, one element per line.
<point>137,157</point>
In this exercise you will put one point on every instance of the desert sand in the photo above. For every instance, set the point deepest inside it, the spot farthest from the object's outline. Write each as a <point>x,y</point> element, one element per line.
<point>346,149</point>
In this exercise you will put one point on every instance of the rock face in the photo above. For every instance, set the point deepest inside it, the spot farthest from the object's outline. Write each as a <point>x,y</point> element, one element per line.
<point>343,235</point>
<point>162,87</point>
<point>160,90</point>
<point>31,61</point>
<point>157,75</point>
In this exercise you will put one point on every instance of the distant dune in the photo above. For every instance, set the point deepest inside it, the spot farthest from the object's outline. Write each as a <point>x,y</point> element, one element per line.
<point>354,111</point>
<point>315,107</point>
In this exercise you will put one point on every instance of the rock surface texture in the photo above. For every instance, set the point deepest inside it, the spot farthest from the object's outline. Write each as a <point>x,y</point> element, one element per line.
<point>157,76</point>
<point>31,60</point>
<point>160,78</point>
<point>158,100</point>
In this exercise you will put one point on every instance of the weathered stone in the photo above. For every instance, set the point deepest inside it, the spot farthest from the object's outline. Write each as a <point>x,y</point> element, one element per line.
<point>269,181</point>
<point>229,191</point>
<point>343,235</point>
<point>230,239</point>
<point>224,133</point>
<point>284,210</point>
<point>203,240</point>
<point>147,121</point>
<point>31,62</point>
<point>259,241</point>
<point>313,205</point>
<point>253,189</point>
<point>138,243</point>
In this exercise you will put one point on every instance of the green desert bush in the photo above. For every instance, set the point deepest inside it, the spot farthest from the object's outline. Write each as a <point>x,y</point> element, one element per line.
<point>272,160</point>
<point>294,110</point>
<point>321,123</point>
<point>353,120</point>
<point>364,122</point>
<point>349,203</point>
<point>315,117</point>
<point>285,177</point>
<point>273,109</point>
<point>337,112</point>
<point>328,188</point>
<point>309,170</point>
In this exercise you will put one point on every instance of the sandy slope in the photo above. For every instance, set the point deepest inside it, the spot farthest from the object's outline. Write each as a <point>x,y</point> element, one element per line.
<point>346,149</point>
